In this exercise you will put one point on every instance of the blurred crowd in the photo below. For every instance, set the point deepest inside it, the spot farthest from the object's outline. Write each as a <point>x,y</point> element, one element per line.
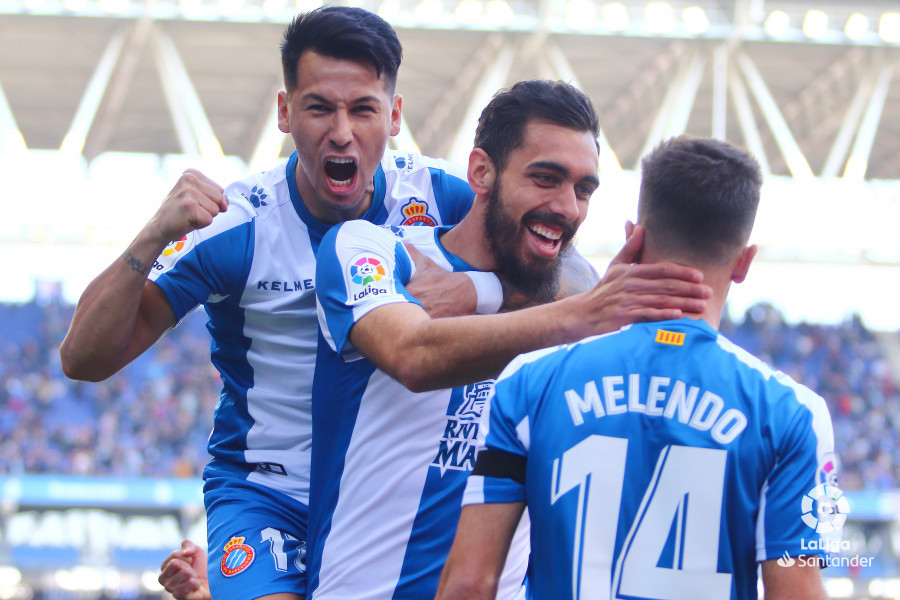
<point>846,365</point>
<point>153,418</point>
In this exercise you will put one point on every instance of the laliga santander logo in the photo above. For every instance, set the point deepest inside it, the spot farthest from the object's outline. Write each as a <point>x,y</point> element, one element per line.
<point>825,508</point>
<point>367,270</point>
<point>174,247</point>
<point>238,556</point>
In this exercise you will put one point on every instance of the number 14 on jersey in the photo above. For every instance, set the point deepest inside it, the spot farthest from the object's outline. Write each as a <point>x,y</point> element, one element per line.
<point>685,492</point>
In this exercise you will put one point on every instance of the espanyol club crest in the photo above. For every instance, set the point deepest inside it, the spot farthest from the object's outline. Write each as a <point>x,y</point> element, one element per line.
<point>416,213</point>
<point>238,556</point>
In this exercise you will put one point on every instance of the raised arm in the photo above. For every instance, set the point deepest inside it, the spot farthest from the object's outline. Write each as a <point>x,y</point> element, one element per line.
<point>483,536</point>
<point>121,313</point>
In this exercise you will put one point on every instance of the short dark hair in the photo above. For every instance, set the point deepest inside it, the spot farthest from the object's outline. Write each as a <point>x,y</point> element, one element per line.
<point>699,198</point>
<point>501,126</point>
<point>342,32</point>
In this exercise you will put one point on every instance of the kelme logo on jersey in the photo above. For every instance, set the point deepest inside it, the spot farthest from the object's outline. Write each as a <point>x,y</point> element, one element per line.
<point>825,508</point>
<point>416,213</point>
<point>238,556</point>
<point>672,338</point>
<point>404,162</point>
<point>459,442</point>
<point>257,196</point>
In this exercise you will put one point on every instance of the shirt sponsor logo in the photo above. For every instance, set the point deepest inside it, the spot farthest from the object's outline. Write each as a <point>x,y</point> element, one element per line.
<point>238,556</point>
<point>416,213</point>
<point>671,338</point>
<point>460,440</point>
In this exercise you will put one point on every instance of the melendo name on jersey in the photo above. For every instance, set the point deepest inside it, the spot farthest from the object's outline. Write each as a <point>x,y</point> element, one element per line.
<point>662,399</point>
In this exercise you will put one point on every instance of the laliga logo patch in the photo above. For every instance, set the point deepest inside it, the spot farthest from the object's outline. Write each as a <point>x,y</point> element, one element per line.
<point>367,270</point>
<point>174,247</point>
<point>238,556</point>
<point>416,213</point>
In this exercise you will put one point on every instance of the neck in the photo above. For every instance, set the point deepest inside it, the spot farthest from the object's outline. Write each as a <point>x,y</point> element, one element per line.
<point>468,239</point>
<point>719,279</point>
<point>714,304</point>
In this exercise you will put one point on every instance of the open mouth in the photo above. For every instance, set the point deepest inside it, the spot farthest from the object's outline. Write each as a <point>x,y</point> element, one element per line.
<point>549,238</point>
<point>340,171</point>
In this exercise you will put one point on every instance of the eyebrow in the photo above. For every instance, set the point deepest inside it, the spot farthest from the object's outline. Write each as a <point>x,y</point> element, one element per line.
<point>562,171</point>
<point>322,99</point>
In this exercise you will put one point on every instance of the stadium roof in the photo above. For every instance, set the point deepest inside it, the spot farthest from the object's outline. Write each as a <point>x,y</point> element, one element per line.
<point>805,90</point>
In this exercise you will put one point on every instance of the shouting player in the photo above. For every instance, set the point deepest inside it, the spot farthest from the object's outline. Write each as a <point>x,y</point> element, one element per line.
<point>253,268</point>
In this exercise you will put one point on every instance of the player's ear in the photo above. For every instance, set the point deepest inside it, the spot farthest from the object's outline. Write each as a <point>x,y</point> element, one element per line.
<point>284,122</point>
<point>481,172</point>
<point>395,114</point>
<point>742,264</point>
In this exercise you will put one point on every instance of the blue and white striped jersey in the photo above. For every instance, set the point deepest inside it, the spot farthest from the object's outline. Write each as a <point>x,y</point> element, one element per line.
<point>254,270</point>
<point>660,461</point>
<point>389,465</point>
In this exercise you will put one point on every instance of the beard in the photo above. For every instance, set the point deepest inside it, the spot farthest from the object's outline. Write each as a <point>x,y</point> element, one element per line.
<point>535,277</point>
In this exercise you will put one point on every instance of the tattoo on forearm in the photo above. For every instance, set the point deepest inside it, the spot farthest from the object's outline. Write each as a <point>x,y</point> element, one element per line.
<point>136,265</point>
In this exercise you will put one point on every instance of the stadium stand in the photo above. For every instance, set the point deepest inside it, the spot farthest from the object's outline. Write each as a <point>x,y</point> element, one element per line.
<point>152,420</point>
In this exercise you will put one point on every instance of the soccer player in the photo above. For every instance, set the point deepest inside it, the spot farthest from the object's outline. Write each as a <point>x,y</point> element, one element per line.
<point>248,255</point>
<point>389,464</point>
<point>660,461</point>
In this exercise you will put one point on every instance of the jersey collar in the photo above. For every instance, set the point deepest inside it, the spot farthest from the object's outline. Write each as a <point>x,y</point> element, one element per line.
<point>456,262</point>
